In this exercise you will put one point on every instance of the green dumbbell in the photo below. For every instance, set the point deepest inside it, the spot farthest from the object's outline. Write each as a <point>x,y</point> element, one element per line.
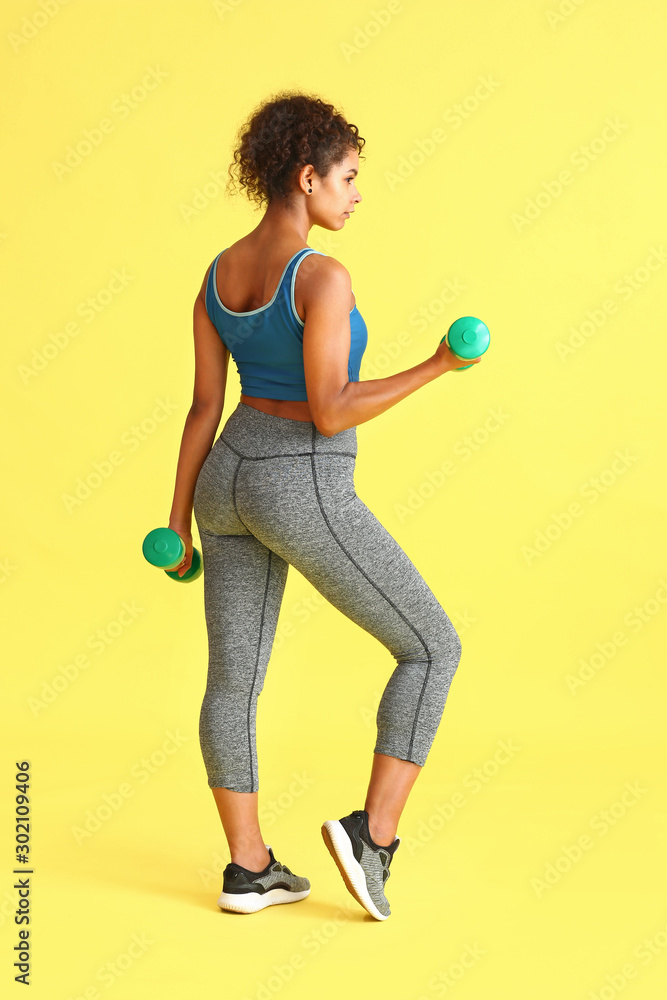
<point>164,547</point>
<point>467,337</point>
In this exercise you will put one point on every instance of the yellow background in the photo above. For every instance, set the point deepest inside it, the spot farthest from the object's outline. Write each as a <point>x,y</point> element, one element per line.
<point>489,897</point>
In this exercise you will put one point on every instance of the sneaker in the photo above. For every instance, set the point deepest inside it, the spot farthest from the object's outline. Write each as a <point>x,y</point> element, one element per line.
<point>244,891</point>
<point>363,864</point>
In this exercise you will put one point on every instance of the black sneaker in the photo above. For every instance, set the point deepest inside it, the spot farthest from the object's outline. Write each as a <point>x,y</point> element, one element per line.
<point>363,864</point>
<point>244,891</point>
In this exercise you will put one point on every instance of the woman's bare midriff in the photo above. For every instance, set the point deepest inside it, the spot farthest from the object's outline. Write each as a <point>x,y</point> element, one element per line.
<point>293,409</point>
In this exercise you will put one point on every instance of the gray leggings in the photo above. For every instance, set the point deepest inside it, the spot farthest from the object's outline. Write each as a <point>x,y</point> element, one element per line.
<point>273,492</point>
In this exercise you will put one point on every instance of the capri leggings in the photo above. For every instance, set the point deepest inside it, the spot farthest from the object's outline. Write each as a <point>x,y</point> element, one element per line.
<point>275,492</point>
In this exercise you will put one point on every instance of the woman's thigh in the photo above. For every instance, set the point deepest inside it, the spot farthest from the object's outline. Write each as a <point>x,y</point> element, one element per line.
<point>244,580</point>
<point>306,510</point>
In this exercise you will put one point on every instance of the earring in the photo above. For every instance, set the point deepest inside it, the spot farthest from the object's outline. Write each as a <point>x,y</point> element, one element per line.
<point>310,190</point>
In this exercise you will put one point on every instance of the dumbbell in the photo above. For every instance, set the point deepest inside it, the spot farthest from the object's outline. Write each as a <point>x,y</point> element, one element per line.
<point>467,337</point>
<point>164,548</point>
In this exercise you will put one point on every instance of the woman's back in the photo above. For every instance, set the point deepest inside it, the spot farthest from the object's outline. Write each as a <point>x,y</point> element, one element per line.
<point>255,293</point>
<point>248,276</point>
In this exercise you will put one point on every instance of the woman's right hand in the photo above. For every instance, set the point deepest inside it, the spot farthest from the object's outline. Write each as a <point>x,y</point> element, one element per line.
<point>185,535</point>
<point>449,361</point>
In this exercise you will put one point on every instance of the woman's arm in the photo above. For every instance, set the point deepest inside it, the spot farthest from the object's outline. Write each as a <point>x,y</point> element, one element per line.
<point>202,421</point>
<point>336,403</point>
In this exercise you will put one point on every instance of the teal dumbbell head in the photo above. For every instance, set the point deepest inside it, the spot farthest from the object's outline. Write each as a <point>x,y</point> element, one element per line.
<point>467,337</point>
<point>163,547</point>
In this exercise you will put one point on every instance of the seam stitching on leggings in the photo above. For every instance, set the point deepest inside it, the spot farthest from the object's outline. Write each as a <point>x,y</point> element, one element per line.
<point>285,454</point>
<point>259,647</point>
<point>386,597</point>
<point>236,472</point>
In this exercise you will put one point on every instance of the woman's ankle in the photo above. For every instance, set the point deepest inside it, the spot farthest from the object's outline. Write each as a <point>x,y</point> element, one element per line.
<point>254,861</point>
<point>382,833</point>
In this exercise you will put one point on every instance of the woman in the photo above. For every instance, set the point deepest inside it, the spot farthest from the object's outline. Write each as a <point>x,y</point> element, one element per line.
<point>276,488</point>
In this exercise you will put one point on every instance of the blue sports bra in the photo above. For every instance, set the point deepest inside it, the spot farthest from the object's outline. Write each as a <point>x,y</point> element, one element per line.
<point>267,343</point>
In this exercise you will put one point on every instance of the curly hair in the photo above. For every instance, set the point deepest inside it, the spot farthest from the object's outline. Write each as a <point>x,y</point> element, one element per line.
<point>281,136</point>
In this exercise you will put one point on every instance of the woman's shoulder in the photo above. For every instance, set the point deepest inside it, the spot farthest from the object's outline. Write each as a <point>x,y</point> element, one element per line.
<point>325,266</point>
<point>323,279</point>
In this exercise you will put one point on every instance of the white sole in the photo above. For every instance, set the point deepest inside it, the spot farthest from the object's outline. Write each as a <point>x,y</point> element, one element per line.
<point>251,902</point>
<point>340,849</point>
